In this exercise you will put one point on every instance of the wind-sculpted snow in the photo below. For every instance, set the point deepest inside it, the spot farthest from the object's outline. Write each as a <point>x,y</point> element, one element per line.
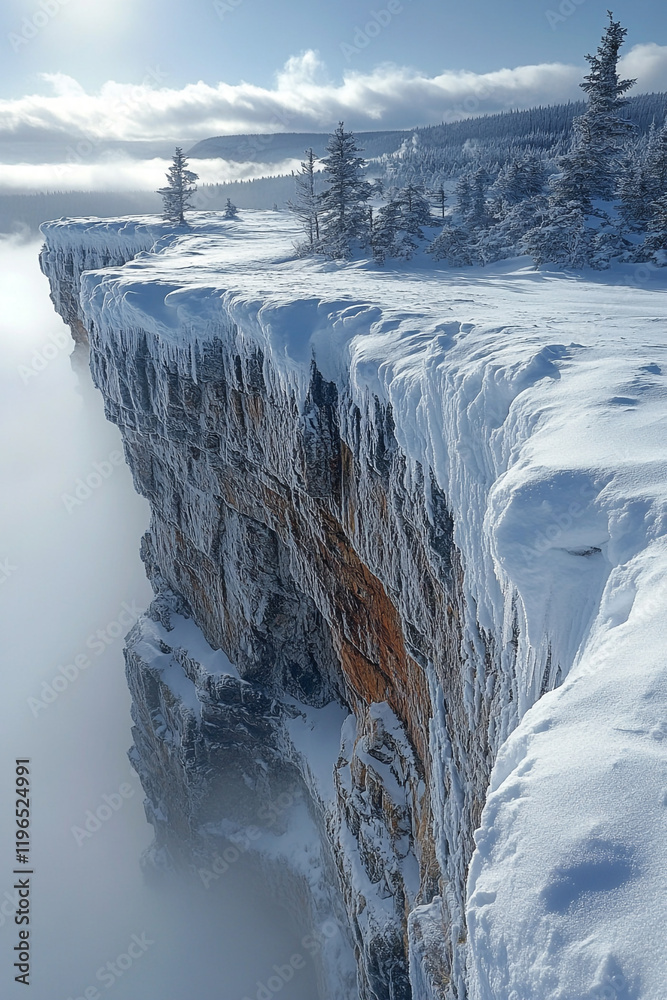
<point>431,504</point>
<point>65,257</point>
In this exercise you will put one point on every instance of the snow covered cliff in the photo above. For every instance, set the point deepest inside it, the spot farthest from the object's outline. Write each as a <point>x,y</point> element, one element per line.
<point>408,545</point>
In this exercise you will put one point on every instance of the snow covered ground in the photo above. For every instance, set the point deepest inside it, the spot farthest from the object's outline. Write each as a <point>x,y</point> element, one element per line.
<point>539,399</point>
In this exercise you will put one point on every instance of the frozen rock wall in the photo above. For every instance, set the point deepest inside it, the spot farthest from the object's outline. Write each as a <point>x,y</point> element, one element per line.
<point>372,552</point>
<point>303,551</point>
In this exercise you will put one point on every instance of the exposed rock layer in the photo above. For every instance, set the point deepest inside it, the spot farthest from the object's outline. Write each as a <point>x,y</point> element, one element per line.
<point>313,564</point>
<point>310,548</point>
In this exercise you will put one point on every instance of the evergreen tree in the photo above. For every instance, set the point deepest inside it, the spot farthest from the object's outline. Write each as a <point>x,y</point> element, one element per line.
<point>415,210</point>
<point>505,238</point>
<point>398,225</point>
<point>590,168</point>
<point>177,195</point>
<point>562,238</point>
<point>644,180</point>
<point>463,195</point>
<point>655,244</point>
<point>230,210</point>
<point>440,199</point>
<point>607,244</point>
<point>344,220</point>
<point>454,245</point>
<point>306,205</point>
<point>384,232</point>
<point>478,215</point>
<point>637,195</point>
<point>656,162</point>
<point>523,177</point>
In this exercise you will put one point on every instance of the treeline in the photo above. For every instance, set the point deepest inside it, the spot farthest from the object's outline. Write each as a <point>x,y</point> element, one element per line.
<point>599,195</point>
<point>436,154</point>
<point>261,193</point>
<point>23,213</point>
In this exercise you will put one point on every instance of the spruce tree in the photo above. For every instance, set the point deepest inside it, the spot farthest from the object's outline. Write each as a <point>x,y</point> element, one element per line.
<point>230,210</point>
<point>177,195</point>
<point>415,210</point>
<point>440,199</point>
<point>306,205</point>
<point>454,245</point>
<point>637,195</point>
<point>504,238</point>
<point>523,177</point>
<point>563,238</point>
<point>655,244</point>
<point>463,195</point>
<point>656,162</point>
<point>384,232</point>
<point>398,224</point>
<point>590,168</point>
<point>478,215</point>
<point>344,219</point>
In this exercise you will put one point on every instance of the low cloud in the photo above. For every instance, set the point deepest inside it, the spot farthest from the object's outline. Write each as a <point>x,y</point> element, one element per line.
<point>124,174</point>
<point>304,99</point>
<point>648,65</point>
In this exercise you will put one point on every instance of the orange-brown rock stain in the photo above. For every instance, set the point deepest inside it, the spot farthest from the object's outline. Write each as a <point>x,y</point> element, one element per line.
<point>369,639</point>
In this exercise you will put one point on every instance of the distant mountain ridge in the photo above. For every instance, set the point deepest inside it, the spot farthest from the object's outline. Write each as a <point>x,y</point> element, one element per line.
<point>553,121</point>
<point>277,146</point>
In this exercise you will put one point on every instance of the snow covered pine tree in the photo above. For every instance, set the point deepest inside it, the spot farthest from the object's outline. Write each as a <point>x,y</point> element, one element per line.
<point>177,195</point>
<point>306,205</point>
<point>344,217</point>
<point>230,210</point>
<point>589,170</point>
<point>398,226</point>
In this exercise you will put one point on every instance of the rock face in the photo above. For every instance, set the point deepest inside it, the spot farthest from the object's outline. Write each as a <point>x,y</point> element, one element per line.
<point>303,541</point>
<point>300,549</point>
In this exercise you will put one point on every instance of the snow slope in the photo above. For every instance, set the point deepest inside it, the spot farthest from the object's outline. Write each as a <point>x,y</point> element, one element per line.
<point>539,401</point>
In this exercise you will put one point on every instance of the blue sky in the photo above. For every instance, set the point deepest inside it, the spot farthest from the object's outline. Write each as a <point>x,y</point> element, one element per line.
<point>249,40</point>
<point>253,65</point>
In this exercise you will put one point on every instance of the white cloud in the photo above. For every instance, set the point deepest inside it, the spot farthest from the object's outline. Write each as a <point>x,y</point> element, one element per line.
<point>304,99</point>
<point>124,174</point>
<point>648,65</point>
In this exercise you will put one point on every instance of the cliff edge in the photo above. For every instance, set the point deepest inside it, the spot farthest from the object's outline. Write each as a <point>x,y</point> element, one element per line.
<point>408,552</point>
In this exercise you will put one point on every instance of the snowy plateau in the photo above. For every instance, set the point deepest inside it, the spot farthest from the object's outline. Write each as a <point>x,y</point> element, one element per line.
<point>409,553</point>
